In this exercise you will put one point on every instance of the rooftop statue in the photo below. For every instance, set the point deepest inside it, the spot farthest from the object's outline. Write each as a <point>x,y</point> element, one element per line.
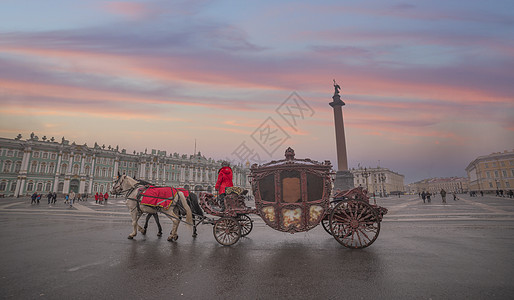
<point>337,88</point>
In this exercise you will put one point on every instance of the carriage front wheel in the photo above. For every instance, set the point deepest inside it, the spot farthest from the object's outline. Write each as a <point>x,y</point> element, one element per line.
<point>246,224</point>
<point>227,231</point>
<point>354,224</point>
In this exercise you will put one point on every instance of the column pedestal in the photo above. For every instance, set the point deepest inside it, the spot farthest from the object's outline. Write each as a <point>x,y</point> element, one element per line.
<point>343,181</point>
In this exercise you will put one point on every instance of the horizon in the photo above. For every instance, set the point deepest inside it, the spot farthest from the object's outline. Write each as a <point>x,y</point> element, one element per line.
<point>427,86</point>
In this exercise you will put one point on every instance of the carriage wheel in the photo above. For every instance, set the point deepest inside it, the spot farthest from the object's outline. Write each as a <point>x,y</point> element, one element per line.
<point>246,224</point>
<point>354,224</point>
<point>325,222</point>
<point>227,231</point>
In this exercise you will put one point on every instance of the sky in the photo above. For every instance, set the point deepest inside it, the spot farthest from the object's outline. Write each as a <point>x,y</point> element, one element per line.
<point>428,85</point>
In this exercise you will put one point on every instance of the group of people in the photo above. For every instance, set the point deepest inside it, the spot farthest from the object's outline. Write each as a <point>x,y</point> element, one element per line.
<point>52,198</point>
<point>100,198</point>
<point>427,196</point>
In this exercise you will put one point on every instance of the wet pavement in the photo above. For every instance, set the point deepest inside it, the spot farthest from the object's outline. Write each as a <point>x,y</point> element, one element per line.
<point>459,250</point>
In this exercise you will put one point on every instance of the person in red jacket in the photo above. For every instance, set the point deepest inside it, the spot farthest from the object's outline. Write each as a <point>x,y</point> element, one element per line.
<point>96,198</point>
<point>224,178</point>
<point>106,196</point>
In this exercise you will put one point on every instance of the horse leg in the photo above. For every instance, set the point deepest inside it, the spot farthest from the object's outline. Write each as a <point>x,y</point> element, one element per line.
<point>135,217</point>
<point>194,228</point>
<point>173,234</point>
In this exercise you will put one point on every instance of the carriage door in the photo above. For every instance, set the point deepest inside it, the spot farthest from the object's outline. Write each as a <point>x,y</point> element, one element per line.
<point>290,206</point>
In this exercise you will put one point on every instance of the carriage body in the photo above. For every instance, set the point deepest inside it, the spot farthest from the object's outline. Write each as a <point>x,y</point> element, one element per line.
<point>292,195</point>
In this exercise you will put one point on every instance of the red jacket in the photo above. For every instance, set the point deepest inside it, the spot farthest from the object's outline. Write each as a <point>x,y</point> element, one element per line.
<point>96,197</point>
<point>106,196</point>
<point>224,179</point>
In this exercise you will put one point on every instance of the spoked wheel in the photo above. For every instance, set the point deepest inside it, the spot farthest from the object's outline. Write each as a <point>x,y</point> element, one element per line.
<point>354,224</point>
<point>227,231</point>
<point>325,222</point>
<point>246,224</point>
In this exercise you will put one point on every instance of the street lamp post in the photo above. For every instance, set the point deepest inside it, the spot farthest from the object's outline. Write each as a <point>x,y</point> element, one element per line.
<point>382,178</point>
<point>366,175</point>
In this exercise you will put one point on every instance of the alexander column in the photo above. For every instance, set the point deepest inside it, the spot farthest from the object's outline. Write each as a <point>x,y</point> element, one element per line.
<point>344,178</point>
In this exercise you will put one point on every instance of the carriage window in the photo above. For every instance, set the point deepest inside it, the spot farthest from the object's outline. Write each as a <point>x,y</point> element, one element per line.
<point>267,188</point>
<point>291,188</point>
<point>314,187</point>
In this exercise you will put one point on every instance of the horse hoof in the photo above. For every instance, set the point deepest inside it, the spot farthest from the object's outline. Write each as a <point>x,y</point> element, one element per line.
<point>172,238</point>
<point>130,237</point>
<point>143,232</point>
<point>195,235</point>
<point>159,234</point>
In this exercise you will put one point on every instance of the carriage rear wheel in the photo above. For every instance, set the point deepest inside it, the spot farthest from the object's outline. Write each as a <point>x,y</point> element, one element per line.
<point>246,224</point>
<point>227,231</point>
<point>354,224</point>
<point>325,222</point>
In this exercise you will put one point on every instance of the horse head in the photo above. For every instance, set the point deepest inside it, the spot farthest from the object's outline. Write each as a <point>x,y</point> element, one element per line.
<point>122,184</point>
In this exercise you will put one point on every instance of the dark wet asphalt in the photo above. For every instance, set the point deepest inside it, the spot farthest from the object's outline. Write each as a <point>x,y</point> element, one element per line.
<point>462,250</point>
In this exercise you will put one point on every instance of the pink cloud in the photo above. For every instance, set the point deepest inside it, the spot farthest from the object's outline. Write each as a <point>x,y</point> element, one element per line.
<point>129,9</point>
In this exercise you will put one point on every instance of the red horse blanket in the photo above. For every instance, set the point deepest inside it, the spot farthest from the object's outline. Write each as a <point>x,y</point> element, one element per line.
<point>158,196</point>
<point>184,191</point>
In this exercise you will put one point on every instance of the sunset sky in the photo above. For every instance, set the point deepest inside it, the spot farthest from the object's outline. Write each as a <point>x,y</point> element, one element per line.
<point>428,85</point>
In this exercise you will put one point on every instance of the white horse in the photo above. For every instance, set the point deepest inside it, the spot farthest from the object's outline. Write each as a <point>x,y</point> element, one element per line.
<point>130,186</point>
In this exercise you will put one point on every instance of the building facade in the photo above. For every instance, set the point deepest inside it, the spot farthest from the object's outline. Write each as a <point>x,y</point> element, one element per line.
<point>380,181</point>
<point>434,185</point>
<point>45,165</point>
<point>492,172</point>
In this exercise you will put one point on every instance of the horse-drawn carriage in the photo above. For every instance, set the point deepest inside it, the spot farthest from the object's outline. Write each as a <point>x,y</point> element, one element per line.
<point>293,195</point>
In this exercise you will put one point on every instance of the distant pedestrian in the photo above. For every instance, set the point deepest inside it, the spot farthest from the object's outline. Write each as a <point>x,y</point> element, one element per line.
<point>106,196</point>
<point>72,198</point>
<point>156,217</point>
<point>54,197</point>
<point>96,198</point>
<point>66,198</point>
<point>482,193</point>
<point>33,197</point>
<point>443,195</point>
<point>50,196</point>
<point>423,196</point>
<point>428,197</point>
<point>454,196</point>
<point>38,198</point>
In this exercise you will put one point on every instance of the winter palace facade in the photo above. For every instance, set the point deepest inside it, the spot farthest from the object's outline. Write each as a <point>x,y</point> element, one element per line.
<point>46,165</point>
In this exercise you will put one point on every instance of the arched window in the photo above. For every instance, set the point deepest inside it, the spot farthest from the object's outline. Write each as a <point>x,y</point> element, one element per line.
<point>30,186</point>
<point>110,172</point>
<point>48,186</point>
<point>3,186</point>
<point>101,188</point>
<point>64,167</point>
<point>76,169</point>
<point>60,187</point>
<point>33,167</point>
<point>42,168</point>
<point>104,172</point>
<point>87,169</point>
<point>97,171</point>
<point>13,186</point>
<point>7,166</point>
<point>17,166</point>
<point>39,187</point>
<point>51,168</point>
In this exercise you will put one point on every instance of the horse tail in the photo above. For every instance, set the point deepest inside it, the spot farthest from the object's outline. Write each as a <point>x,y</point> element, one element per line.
<point>189,214</point>
<point>195,207</point>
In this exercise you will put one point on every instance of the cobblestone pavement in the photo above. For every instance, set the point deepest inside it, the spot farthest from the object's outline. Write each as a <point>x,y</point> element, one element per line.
<point>459,250</point>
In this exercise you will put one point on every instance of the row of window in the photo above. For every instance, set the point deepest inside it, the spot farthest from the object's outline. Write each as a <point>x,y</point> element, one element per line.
<point>497,173</point>
<point>47,187</point>
<point>502,163</point>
